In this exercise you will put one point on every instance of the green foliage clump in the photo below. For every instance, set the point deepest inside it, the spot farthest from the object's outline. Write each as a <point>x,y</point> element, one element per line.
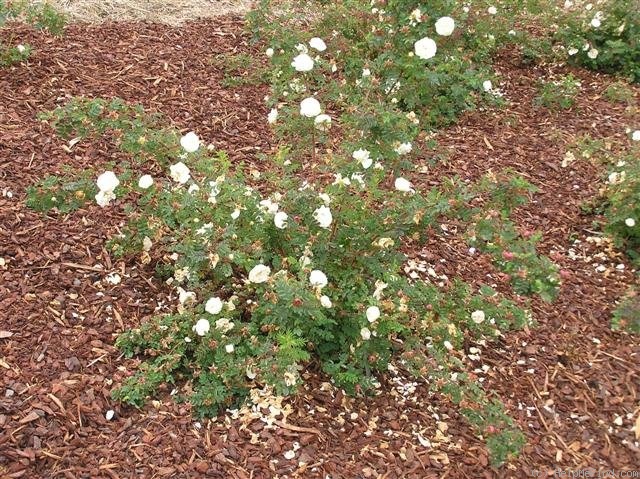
<point>558,94</point>
<point>626,316</point>
<point>621,203</point>
<point>42,16</point>
<point>604,37</point>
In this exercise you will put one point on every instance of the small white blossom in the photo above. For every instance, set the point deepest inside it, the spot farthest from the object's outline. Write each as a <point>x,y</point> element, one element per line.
<point>310,107</point>
<point>425,48</point>
<point>229,348</point>
<point>448,345</point>
<point>272,116</point>
<point>487,85</point>
<point>107,181</point>
<point>190,142</point>
<point>235,214</point>
<point>318,279</point>
<point>401,184</point>
<point>180,173</point>
<point>595,22</point>
<point>445,26</point>
<point>269,206</point>
<point>280,220</point>
<point>269,52</point>
<point>21,48</point>
<point>593,53</point>
<point>323,216</point>
<point>145,181</point>
<point>213,305</point>
<point>302,63</point>
<point>572,51</point>
<point>478,317</point>
<point>318,44</point>
<point>322,122</point>
<point>363,157</point>
<point>202,327</point>
<point>365,334</point>
<point>404,148</point>
<point>185,297</point>
<point>635,136</point>
<point>259,274</point>
<point>325,301</point>
<point>103,198</point>
<point>492,10</point>
<point>373,313</point>
<point>224,324</point>
<point>630,222</point>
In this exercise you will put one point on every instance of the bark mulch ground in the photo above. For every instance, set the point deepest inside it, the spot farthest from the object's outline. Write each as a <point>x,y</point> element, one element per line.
<point>571,383</point>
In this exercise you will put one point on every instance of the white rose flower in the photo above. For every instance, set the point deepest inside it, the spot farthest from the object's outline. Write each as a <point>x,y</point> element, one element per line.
<point>572,51</point>
<point>448,345</point>
<point>404,148</point>
<point>213,305</point>
<point>229,348</point>
<point>310,107</point>
<point>326,199</point>
<point>145,181</point>
<point>487,85</point>
<point>401,184</point>
<point>280,220</point>
<point>107,181</point>
<point>224,324</point>
<point>425,48</point>
<point>635,136</point>
<point>302,63</point>
<point>235,214</point>
<point>595,23</point>
<point>366,72</point>
<point>365,334</point>
<point>190,142</point>
<point>21,48</point>
<point>322,122</point>
<point>318,44</point>
<point>363,157</point>
<point>318,279</point>
<point>269,206</point>
<point>272,116</point>
<point>193,189</point>
<point>492,10</point>
<point>259,274</point>
<point>373,313</point>
<point>185,297</point>
<point>630,222</point>
<point>323,216</point>
<point>478,316</point>
<point>325,301</point>
<point>593,53</point>
<point>269,52</point>
<point>103,198</point>
<point>180,173</point>
<point>201,327</point>
<point>445,26</point>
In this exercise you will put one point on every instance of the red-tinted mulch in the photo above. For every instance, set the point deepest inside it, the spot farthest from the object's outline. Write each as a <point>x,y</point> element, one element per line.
<point>565,381</point>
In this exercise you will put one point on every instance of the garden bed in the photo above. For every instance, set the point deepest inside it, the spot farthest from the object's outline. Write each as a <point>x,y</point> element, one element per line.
<point>571,384</point>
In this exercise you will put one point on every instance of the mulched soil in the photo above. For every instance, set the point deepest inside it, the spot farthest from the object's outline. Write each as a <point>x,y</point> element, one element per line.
<point>566,381</point>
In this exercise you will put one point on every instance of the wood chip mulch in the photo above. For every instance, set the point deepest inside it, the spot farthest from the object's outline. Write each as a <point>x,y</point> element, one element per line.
<point>572,384</point>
